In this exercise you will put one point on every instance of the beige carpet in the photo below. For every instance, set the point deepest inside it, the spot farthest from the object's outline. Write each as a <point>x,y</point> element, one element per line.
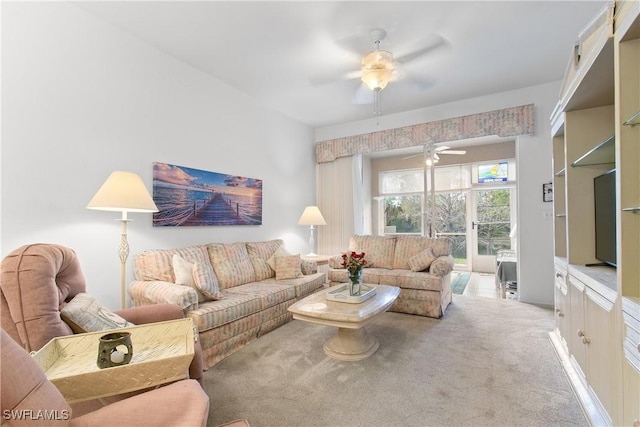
<point>485,363</point>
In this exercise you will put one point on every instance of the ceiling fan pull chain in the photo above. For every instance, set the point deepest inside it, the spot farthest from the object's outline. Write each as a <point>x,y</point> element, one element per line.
<point>377,105</point>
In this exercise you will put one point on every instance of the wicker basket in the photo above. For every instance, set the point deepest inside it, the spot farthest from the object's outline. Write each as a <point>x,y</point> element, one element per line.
<point>162,353</point>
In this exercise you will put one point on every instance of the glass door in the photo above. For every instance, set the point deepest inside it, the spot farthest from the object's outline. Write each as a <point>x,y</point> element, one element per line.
<point>451,222</point>
<point>491,226</point>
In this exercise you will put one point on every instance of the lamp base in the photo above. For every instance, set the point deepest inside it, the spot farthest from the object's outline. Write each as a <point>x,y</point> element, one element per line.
<point>311,255</point>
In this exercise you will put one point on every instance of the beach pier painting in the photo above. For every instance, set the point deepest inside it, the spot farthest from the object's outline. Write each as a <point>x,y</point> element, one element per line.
<point>193,197</point>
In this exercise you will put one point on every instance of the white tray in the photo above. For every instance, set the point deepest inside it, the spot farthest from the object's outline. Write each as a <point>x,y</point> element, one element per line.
<point>341,294</point>
<point>162,352</point>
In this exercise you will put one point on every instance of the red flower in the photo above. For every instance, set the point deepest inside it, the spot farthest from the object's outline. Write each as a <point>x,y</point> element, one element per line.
<point>353,261</point>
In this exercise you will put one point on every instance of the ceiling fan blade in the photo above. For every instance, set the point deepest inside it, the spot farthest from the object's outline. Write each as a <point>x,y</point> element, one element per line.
<point>437,43</point>
<point>356,43</point>
<point>435,156</point>
<point>422,84</point>
<point>363,95</point>
<point>323,80</point>
<point>452,152</point>
<point>412,156</point>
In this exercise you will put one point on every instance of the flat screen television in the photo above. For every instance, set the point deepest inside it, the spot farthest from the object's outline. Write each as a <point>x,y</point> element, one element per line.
<point>604,188</point>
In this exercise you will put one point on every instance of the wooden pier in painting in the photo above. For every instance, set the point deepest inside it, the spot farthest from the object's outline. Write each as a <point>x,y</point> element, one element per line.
<point>218,210</point>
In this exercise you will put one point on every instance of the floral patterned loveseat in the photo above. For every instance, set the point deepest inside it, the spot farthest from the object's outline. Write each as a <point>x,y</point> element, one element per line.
<point>420,266</point>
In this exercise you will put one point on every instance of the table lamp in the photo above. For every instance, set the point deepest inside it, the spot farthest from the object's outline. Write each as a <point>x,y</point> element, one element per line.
<point>311,217</point>
<point>123,192</point>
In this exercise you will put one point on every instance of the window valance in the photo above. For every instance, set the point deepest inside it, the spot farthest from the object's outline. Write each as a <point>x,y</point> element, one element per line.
<point>513,121</point>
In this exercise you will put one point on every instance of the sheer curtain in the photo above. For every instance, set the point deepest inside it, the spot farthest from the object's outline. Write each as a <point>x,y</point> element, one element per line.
<point>344,200</point>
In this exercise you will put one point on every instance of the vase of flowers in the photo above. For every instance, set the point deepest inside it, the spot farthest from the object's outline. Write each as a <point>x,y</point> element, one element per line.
<point>354,262</point>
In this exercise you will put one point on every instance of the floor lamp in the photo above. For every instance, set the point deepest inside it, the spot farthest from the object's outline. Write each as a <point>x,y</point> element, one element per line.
<point>123,192</point>
<point>312,217</point>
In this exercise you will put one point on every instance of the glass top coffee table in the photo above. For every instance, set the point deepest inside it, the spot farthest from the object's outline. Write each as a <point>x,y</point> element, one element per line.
<point>351,342</point>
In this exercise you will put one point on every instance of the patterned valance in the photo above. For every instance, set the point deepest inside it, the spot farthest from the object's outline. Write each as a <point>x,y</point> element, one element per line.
<point>507,122</point>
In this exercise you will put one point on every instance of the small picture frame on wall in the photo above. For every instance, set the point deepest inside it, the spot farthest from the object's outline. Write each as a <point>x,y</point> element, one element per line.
<point>547,192</point>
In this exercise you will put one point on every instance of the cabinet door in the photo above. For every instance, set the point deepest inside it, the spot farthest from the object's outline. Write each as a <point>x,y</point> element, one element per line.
<point>631,393</point>
<point>562,306</point>
<point>577,323</point>
<point>631,363</point>
<point>600,344</point>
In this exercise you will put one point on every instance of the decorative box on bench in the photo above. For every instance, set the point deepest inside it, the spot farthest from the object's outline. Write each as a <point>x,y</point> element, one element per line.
<point>162,353</point>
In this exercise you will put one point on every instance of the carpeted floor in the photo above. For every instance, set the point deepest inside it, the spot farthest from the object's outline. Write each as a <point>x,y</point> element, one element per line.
<point>487,362</point>
<point>459,282</point>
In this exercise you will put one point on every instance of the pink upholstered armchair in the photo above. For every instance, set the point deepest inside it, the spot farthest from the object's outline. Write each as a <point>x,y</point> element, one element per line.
<point>38,280</point>
<point>29,399</point>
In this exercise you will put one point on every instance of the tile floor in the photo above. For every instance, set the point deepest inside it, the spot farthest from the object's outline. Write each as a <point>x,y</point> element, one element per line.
<point>484,285</point>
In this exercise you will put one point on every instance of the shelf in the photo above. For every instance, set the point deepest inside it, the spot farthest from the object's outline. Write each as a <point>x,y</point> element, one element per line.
<point>633,120</point>
<point>560,172</point>
<point>602,154</point>
<point>589,79</point>
<point>634,209</point>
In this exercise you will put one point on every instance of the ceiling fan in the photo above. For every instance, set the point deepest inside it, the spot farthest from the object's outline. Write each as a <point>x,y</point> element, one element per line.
<point>379,67</point>
<point>443,149</point>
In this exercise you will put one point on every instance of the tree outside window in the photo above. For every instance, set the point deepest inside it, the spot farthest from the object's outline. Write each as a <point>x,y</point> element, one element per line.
<point>404,213</point>
<point>494,226</point>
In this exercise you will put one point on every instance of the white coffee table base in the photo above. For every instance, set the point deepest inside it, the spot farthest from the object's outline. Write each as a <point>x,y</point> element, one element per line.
<point>351,344</point>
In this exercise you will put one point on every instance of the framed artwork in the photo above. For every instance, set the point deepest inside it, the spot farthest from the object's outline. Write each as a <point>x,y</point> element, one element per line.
<point>192,197</point>
<point>547,192</point>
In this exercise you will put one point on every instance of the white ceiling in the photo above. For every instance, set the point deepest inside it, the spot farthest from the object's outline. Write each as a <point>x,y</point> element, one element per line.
<point>289,55</point>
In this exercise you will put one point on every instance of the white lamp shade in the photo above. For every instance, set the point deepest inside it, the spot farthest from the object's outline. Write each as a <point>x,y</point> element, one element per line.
<point>123,192</point>
<point>311,216</point>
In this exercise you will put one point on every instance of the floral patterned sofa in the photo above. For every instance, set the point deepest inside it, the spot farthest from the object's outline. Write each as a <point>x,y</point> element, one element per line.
<point>420,266</point>
<point>234,292</point>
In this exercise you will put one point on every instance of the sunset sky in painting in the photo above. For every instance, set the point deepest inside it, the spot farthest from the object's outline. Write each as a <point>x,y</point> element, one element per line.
<point>198,179</point>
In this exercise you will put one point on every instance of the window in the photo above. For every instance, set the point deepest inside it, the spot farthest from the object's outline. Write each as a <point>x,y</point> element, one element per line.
<point>402,193</point>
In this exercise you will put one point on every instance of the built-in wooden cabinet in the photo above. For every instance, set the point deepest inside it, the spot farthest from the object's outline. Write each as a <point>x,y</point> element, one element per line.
<point>598,338</point>
<point>596,128</point>
<point>559,197</point>
<point>577,329</point>
<point>562,308</point>
<point>627,55</point>
<point>588,153</point>
<point>628,146</point>
<point>631,365</point>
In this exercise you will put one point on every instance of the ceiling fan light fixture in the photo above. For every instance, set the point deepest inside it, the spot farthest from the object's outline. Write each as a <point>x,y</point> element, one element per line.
<point>377,69</point>
<point>435,160</point>
<point>376,79</point>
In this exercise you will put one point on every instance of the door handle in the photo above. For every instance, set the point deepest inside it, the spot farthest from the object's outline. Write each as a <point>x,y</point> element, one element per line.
<point>473,225</point>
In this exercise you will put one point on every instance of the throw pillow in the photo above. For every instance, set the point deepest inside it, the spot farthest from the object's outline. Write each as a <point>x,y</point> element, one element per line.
<point>231,264</point>
<point>336,261</point>
<point>183,271</point>
<point>422,260</point>
<point>280,252</point>
<point>308,266</point>
<point>84,314</point>
<point>196,276</point>
<point>288,267</point>
<point>206,282</point>
<point>442,265</point>
<point>259,253</point>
